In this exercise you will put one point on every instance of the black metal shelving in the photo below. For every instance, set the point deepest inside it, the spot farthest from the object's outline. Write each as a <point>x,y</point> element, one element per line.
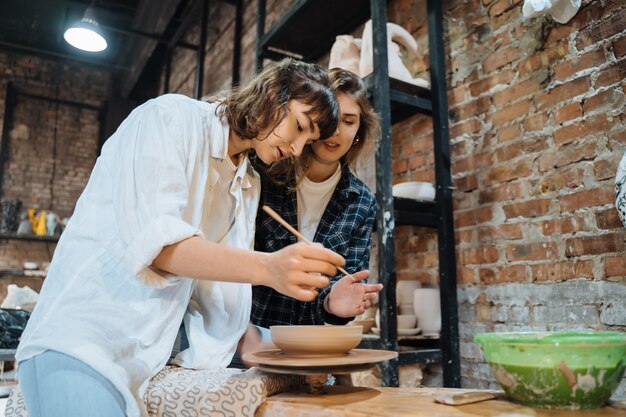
<point>307,31</point>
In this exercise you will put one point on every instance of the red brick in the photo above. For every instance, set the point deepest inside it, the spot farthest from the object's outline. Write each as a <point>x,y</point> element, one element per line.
<point>559,180</point>
<point>563,225</point>
<point>480,255</point>
<point>457,95</point>
<point>485,84</point>
<point>608,219</point>
<point>500,58</point>
<point>532,251</point>
<point>535,122</point>
<point>594,245</point>
<point>469,109</point>
<point>473,162</point>
<point>545,59</point>
<point>509,152</point>
<point>472,217</point>
<point>619,47</point>
<point>562,92</point>
<point>605,168</point>
<point>505,19</point>
<point>464,236</point>
<point>466,183</point>
<point>508,172</point>
<point>424,176</point>
<point>524,88</point>
<point>462,11</point>
<point>467,127</point>
<point>487,276</point>
<point>616,266</point>
<point>604,29</point>
<point>579,63</point>
<point>499,7</point>
<point>417,161</point>
<point>513,273</point>
<point>508,133</point>
<point>503,192</point>
<point>505,231</point>
<point>417,145</point>
<point>399,166</point>
<point>618,133</point>
<point>524,147</point>
<point>611,75</point>
<point>586,198</point>
<point>466,276</point>
<point>581,129</point>
<point>562,271</point>
<point>513,112</point>
<point>569,112</point>
<point>533,208</point>
<point>426,259</point>
<point>567,155</point>
<point>606,100</point>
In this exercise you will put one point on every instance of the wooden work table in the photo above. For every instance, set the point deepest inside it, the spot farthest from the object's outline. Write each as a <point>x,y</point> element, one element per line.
<point>402,402</point>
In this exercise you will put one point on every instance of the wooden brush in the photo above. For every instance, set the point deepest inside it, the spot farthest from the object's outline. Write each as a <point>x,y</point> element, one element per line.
<point>282,221</point>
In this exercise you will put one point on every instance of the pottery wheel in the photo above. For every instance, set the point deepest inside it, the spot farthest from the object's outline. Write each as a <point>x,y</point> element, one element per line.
<point>356,360</point>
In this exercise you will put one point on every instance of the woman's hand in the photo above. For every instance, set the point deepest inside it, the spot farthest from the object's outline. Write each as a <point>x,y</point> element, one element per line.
<point>348,297</point>
<point>298,270</point>
<point>251,341</point>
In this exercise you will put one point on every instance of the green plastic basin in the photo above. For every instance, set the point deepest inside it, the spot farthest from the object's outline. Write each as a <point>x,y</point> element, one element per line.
<point>562,370</point>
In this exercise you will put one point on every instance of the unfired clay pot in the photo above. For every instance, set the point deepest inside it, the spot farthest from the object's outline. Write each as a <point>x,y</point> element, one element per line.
<point>427,308</point>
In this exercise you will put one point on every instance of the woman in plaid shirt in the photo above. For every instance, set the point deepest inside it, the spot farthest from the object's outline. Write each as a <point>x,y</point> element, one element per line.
<point>328,205</point>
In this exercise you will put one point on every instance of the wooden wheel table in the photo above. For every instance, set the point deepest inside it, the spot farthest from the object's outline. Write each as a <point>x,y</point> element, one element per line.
<point>277,361</point>
<point>317,367</point>
<point>341,401</point>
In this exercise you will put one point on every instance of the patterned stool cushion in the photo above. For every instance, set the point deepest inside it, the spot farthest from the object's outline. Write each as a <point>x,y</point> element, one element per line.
<point>620,190</point>
<point>178,391</point>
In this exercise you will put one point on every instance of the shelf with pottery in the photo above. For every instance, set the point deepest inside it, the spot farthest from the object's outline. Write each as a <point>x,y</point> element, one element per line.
<point>29,237</point>
<point>299,34</point>
<point>308,30</point>
<point>22,273</point>
<point>405,99</point>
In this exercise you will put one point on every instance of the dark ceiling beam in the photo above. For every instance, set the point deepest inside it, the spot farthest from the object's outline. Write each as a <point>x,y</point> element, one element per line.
<point>193,9</point>
<point>152,16</point>
<point>153,36</point>
<point>100,5</point>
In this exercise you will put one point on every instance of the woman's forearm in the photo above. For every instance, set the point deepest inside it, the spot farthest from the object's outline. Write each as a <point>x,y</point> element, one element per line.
<point>202,259</point>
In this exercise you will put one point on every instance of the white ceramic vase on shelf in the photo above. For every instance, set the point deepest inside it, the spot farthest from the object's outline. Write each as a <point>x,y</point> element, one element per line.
<point>427,307</point>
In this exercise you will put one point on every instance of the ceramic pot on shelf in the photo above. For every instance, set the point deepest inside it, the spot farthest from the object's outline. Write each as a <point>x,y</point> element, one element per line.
<point>426,304</point>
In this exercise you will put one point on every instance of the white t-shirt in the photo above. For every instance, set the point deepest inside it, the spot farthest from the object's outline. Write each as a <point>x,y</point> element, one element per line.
<point>156,183</point>
<point>313,197</point>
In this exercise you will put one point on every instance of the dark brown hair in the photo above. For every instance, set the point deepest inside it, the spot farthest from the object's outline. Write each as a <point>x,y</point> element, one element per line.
<point>262,103</point>
<point>343,82</point>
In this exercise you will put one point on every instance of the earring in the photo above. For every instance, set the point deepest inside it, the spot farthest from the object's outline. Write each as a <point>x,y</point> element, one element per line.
<point>356,140</point>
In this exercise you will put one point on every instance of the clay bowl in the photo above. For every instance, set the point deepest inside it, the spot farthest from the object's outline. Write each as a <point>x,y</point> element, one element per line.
<point>327,341</point>
<point>367,324</point>
<point>560,370</point>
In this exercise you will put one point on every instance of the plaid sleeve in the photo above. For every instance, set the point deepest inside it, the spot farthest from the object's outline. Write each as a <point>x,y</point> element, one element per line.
<point>357,254</point>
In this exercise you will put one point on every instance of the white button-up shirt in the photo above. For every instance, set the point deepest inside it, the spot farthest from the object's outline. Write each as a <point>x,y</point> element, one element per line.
<point>157,182</point>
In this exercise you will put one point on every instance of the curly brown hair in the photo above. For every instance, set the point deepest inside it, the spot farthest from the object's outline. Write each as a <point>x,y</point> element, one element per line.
<point>292,170</point>
<point>262,103</point>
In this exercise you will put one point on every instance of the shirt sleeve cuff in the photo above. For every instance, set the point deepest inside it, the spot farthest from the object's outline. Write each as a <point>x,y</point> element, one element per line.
<point>158,233</point>
<point>331,318</point>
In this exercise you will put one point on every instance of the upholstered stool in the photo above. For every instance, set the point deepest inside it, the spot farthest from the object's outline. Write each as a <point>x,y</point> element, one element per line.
<point>224,392</point>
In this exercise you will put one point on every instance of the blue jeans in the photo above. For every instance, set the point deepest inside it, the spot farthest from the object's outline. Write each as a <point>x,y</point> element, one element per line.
<point>57,385</point>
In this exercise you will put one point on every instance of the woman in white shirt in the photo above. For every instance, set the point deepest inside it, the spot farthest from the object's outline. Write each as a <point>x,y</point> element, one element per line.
<point>171,202</point>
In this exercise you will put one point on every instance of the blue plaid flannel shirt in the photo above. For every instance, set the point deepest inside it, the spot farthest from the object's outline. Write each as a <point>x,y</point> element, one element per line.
<point>345,228</point>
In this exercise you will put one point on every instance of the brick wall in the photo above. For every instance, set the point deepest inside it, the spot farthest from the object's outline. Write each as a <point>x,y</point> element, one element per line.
<point>537,129</point>
<point>52,148</point>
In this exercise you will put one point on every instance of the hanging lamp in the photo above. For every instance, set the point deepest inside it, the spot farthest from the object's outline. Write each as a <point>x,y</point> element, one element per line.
<point>85,34</point>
